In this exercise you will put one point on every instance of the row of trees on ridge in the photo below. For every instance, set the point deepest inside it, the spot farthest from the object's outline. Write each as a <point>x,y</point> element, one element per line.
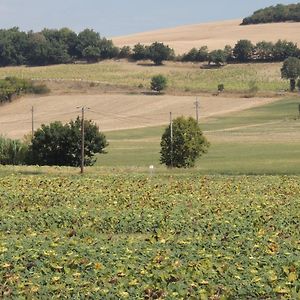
<point>51,46</point>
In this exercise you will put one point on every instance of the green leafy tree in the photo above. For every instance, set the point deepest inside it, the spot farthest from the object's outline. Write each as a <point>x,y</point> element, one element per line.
<point>91,54</point>
<point>218,57</point>
<point>264,51</point>
<point>140,52</point>
<point>291,70</point>
<point>158,52</point>
<point>58,144</point>
<point>125,52</point>
<point>243,50</point>
<point>188,143</point>
<point>158,83</point>
<point>284,49</point>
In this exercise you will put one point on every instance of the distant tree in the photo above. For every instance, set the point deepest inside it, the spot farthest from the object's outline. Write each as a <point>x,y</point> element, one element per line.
<point>264,51</point>
<point>196,55</point>
<point>13,44</point>
<point>58,144</point>
<point>291,70</point>
<point>218,57</point>
<point>158,52</point>
<point>91,54</point>
<point>191,55</point>
<point>187,145</point>
<point>107,49</point>
<point>284,49</point>
<point>243,50</point>
<point>87,38</point>
<point>228,52</point>
<point>158,83</point>
<point>202,54</point>
<point>140,52</point>
<point>125,52</point>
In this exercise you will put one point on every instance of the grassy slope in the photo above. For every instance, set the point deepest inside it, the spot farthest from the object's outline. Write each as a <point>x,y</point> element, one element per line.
<point>182,77</point>
<point>263,140</point>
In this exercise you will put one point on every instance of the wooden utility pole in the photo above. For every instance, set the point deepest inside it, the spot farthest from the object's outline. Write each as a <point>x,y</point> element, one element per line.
<point>171,138</point>
<point>197,110</point>
<point>82,141</point>
<point>32,122</point>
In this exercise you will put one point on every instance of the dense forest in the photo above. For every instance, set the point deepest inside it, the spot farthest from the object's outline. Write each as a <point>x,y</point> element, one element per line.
<point>52,46</point>
<point>63,46</point>
<point>274,14</point>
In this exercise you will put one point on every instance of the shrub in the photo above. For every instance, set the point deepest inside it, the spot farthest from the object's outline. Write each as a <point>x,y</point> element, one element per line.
<point>12,152</point>
<point>158,83</point>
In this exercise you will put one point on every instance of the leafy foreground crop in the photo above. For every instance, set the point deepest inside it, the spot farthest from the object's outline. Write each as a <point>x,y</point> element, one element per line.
<point>132,237</point>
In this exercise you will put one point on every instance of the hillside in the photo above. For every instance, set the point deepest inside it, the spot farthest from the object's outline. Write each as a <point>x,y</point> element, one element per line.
<point>113,112</point>
<point>215,35</point>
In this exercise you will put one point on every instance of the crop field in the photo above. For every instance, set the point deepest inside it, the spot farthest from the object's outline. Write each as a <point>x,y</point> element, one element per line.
<point>215,35</point>
<point>182,77</point>
<point>135,237</point>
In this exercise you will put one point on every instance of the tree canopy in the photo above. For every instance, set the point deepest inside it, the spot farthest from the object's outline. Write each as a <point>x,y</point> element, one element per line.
<point>187,145</point>
<point>60,144</point>
<point>274,14</point>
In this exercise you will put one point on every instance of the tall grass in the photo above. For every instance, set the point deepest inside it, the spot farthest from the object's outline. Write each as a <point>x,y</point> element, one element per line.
<point>182,77</point>
<point>12,152</point>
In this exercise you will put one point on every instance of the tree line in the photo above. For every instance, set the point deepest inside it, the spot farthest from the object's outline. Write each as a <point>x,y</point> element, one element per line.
<point>274,14</point>
<point>52,46</point>
<point>62,46</point>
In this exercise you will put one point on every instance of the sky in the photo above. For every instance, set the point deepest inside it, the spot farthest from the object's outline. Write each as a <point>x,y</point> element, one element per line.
<point>122,17</point>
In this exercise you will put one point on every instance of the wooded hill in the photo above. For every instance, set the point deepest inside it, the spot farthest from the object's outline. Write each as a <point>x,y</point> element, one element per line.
<point>274,14</point>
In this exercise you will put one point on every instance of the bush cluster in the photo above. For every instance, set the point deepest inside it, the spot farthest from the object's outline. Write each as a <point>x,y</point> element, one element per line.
<point>274,14</point>
<point>13,86</point>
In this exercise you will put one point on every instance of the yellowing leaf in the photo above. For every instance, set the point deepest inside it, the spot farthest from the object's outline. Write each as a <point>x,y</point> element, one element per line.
<point>292,277</point>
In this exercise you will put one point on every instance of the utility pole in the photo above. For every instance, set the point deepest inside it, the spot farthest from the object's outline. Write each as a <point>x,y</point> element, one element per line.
<point>83,108</point>
<point>32,122</point>
<point>197,110</point>
<point>171,138</point>
<point>82,141</point>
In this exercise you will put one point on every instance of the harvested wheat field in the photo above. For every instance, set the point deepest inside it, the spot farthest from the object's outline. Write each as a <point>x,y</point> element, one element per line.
<point>215,35</point>
<point>115,111</point>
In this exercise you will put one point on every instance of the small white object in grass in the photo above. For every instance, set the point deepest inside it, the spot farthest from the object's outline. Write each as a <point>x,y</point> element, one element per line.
<point>151,169</point>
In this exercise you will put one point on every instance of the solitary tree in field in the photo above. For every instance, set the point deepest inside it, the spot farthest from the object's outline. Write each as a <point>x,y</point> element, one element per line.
<point>158,83</point>
<point>186,144</point>
<point>291,70</point>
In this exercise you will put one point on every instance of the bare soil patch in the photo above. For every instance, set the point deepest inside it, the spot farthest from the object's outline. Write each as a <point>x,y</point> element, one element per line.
<point>114,111</point>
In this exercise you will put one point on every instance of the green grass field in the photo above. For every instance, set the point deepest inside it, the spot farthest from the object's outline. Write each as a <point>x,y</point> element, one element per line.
<point>182,77</point>
<point>262,140</point>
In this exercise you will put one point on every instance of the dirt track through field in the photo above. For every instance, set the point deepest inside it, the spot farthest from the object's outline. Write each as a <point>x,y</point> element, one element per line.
<point>114,112</point>
<point>215,35</point>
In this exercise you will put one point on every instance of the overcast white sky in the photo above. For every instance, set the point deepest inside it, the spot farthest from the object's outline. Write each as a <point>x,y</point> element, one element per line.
<point>120,17</point>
